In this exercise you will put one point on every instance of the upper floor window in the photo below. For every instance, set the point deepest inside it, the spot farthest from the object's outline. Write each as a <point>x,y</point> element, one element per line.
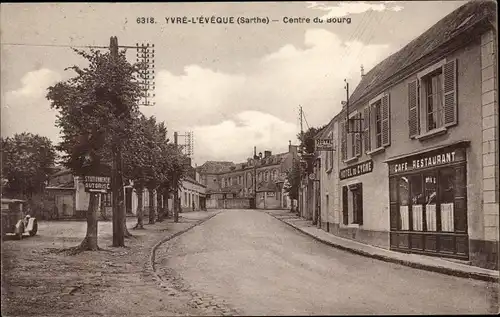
<point>432,100</point>
<point>266,176</point>
<point>376,124</point>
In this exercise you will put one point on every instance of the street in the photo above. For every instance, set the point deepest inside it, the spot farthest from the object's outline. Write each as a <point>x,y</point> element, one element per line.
<point>260,266</point>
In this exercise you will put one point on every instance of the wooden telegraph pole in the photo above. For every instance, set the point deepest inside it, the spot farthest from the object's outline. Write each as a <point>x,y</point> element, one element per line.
<point>117,177</point>
<point>176,190</point>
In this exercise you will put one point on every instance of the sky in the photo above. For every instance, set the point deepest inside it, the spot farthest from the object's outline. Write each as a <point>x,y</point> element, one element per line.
<point>235,86</point>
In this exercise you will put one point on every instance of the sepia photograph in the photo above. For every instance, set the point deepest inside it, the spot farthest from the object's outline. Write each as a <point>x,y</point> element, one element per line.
<point>301,158</point>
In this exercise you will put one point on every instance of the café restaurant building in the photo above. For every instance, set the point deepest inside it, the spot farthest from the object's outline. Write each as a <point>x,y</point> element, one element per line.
<point>418,154</point>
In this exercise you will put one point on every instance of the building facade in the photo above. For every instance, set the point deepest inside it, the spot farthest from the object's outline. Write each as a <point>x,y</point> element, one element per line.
<point>259,181</point>
<point>417,156</point>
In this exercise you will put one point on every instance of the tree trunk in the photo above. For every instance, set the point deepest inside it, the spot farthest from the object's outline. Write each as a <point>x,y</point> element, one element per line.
<point>152,213</point>
<point>117,189</point>
<point>140,211</point>
<point>165,204</point>
<point>90,241</point>
<point>159,205</point>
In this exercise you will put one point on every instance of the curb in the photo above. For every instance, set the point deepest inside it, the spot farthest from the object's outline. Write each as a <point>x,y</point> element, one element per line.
<point>415,265</point>
<point>152,256</point>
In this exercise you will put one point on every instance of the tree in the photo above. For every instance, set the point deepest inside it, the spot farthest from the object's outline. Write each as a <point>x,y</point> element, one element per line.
<point>138,158</point>
<point>292,181</point>
<point>307,139</point>
<point>96,110</point>
<point>27,162</point>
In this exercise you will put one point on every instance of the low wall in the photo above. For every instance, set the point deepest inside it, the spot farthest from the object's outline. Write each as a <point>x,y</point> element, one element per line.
<point>229,203</point>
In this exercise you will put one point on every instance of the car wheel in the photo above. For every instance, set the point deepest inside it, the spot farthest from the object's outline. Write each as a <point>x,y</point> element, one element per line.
<point>35,228</point>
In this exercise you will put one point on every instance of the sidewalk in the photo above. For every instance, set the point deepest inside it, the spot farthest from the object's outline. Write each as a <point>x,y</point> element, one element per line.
<point>423,262</point>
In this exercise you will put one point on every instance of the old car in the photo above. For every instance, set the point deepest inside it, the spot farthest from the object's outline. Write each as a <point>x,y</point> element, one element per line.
<point>15,220</point>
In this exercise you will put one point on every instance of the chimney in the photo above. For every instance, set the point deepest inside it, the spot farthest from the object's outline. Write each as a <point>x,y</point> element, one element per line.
<point>362,71</point>
<point>267,154</point>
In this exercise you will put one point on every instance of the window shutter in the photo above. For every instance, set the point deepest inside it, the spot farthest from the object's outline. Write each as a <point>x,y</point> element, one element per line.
<point>450,93</point>
<point>343,140</point>
<point>327,160</point>
<point>357,141</point>
<point>331,152</point>
<point>413,113</point>
<point>386,124</point>
<point>366,129</point>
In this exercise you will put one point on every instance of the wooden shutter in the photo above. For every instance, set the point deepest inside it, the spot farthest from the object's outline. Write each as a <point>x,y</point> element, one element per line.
<point>366,129</point>
<point>357,135</point>
<point>413,113</point>
<point>343,140</point>
<point>450,93</point>
<point>386,124</point>
<point>331,152</point>
<point>393,203</point>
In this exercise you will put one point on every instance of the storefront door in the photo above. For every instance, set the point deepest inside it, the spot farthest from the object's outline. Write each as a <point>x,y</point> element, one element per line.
<point>428,206</point>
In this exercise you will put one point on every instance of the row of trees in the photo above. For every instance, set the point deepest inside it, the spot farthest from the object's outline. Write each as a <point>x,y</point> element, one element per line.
<point>104,133</point>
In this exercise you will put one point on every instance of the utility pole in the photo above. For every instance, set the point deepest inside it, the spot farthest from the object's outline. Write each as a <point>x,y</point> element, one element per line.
<point>117,190</point>
<point>176,190</point>
<point>299,200</point>
<point>255,176</point>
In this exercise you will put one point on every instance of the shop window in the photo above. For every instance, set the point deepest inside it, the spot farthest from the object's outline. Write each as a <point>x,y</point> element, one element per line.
<point>430,192</point>
<point>447,198</point>
<point>417,202</point>
<point>404,204</point>
<point>107,200</point>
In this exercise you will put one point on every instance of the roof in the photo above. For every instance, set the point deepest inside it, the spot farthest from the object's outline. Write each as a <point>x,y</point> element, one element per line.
<point>9,200</point>
<point>193,181</point>
<point>455,23</point>
<point>215,167</point>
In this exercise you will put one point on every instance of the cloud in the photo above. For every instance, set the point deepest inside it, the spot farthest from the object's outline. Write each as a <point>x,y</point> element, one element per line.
<point>216,104</point>
<point>229,112</point>
<point>234,139</point>
<point>346,8</point>
<point>26,109</point>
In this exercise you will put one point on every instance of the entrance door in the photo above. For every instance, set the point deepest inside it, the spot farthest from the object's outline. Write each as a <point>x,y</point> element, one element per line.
<point>345,205</point>
<point>357,200</point>
<point>432,217</point>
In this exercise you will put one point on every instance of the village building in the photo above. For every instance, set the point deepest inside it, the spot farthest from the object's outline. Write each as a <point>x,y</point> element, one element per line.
<point>257,183</point>
<point>416,166</point>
